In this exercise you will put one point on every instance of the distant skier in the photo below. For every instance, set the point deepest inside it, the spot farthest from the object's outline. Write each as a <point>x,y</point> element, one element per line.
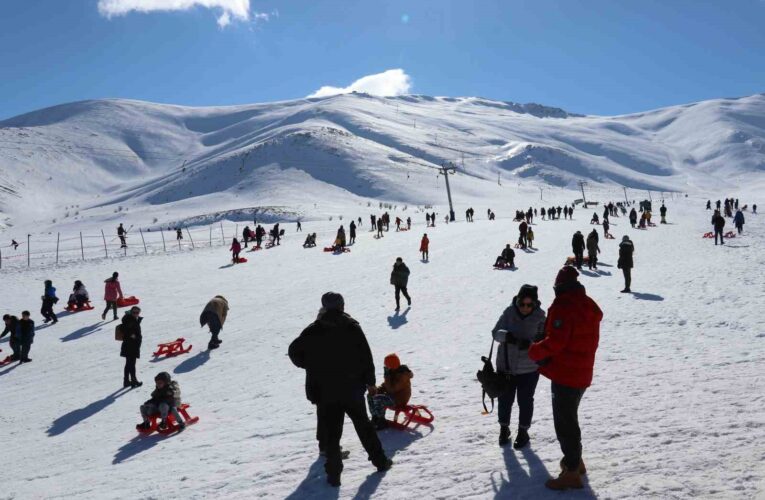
<point>625,263</point>
<point>399,278</point>
<point>593,249</point>
<point>718,222</point>
<point>112,293</point>
<point>178,234</point>
<point>352,233</point>
<point>235,249</point>
<point>577,245</point>
<point>738,221</point>
<point>424,243</point>
<point>15,245</point>
<point>709,204</point>
<point>754,209</point>
<point>379,228</point>
<point>408,223</point>
<point>122,234</point>
<point>214,316</point>
<point>48,299</point>
<point>663,213</point>
<point>299,227</point>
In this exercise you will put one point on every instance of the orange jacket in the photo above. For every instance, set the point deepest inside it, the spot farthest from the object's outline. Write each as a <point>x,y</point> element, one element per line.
<point>398,385</point>
<point>424,244</point>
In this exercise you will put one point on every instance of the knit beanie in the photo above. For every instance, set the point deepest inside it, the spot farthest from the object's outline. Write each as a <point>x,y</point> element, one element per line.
<point>392,362</point>
<point>332,301</point>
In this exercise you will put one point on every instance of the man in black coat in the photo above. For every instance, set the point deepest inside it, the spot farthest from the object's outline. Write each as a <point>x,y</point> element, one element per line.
<point>338,362</point>
<point>26,336</point>
<point>131,345</point>
<point>577,245</point>
<point>13,328</point>
<point>626,249</point>
<point>718,222</point>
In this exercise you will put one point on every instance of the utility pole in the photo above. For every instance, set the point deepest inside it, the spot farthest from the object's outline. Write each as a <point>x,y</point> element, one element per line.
<point>540,193</point>
<point>584,198</point>
<point>649,195</point>
<point>625,196</point>
<point>446,169</point>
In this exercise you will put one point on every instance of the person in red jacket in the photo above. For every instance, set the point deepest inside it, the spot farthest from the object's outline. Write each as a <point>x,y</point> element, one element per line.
<point>424,246</point>
<point>566,356</point>
<point>236,247</point>
<point>112,292</point>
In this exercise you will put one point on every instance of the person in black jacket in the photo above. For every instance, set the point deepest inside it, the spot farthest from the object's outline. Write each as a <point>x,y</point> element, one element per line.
<point>577,245</point>
<point>626,249</point>
<point>165,399</point>
<point>131,345</point>
<point>338,362</point>
<point>718,222</point>
<point>26,336</point>
<point>13,328</point>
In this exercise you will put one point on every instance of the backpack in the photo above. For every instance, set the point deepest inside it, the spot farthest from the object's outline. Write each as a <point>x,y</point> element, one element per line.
<point>492,383</point>
<point>119,333</point>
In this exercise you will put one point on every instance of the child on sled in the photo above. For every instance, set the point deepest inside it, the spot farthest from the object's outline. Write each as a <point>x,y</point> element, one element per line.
<point>165,399</point>
<point>396,390</point>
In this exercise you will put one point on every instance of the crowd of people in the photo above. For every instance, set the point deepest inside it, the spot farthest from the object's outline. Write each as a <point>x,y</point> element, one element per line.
<point>559,343</point>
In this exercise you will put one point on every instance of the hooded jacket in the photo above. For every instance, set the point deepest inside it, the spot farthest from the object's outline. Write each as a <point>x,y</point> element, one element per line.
<point>336,357</point>
<point>626,249</point>
<point>131,336</point>
<point>218,306</point>
<point>519,332</point>
<point>400,275</point>
<point>572,333</point>
<point>398,385</point>
<point>112,290</point>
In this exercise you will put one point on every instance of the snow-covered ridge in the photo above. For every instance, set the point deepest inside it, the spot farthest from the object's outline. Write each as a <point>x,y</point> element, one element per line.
<point>113,155</point>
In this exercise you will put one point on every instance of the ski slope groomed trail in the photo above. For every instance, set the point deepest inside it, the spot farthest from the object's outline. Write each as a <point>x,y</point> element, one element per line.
<point>675,409</point>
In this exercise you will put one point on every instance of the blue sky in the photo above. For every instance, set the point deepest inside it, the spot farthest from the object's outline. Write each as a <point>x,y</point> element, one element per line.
<point>595,56</point>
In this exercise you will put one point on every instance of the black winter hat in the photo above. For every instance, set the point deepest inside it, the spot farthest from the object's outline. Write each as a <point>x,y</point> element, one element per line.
<point>332,301</point>
<point>528,291</point>
<point>164,376</point>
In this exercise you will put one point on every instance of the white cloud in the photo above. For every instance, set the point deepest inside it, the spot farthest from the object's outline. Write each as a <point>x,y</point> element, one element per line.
<point>388,83</point>
<point>232,9</point>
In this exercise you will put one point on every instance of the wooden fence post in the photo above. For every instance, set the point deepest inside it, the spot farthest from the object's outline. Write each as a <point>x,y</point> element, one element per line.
<point>144,242</point>
<point>58,238</point>
<point>28,239</point>
<point>190,238</point>
<point>82,248</point>
<point>163,239</point>
<point>105,250</point>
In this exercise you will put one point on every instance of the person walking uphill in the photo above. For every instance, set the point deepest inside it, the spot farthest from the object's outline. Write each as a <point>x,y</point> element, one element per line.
<point>567,356</point>
<point>626,249</point>
<point>214,316</point>
<point>26,336</point>
<point>48,299</point>
<point>577,245</point>
<point>520,324</point>
<point>399,278</point>
<point>424,244</point>
<point>131,345</point>
<point>236,247</point>
<point>338,362</point>
<point>112,293</point>
<point>13,328</point>
<point>738,221</point>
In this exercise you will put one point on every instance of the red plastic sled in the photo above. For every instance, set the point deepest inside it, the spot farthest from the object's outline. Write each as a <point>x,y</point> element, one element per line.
<point>172,426</point>
<point>127,301</point>
<point>708,235</point>
<point>87,306</point>
<point>413,414</point>
<point>241,260</point>
<point>173,348</point>
<point>5,361</point>
<point>506,265</point>
<point>730,234</point>
<point>570,261</point>
<point>330,249</point>
<point>255,249</point>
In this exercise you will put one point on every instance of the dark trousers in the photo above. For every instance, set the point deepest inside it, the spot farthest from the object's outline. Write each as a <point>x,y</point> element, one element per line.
<point>123,243</point>
<point>15,348</point>
<point>718,232</point>
<point>235,256</point>
<point>627,276</point>
<point>524,386</point>
<point>565,403</point>
<point>25,347</point>
<point>592,259</point>
<point>47,310</point>
<point>129,373</point>
<point>579,258</point>
<point>740,229</point>
<point>399,291</point>
<point>110,305</point>
<point>330,419</point>
<point>213,323</point>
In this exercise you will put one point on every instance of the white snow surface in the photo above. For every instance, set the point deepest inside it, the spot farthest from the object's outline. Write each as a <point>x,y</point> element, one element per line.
<point>94,162</point>
<point>675,409</point>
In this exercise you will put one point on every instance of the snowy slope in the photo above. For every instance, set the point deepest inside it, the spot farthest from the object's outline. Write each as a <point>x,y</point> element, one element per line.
<point>675,410</point>
<point>87,161</point>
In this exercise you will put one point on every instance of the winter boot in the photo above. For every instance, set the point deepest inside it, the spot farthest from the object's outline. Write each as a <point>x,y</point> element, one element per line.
<point>504,435</point>
<point>521,439</point>
<point>379,422</point>
<point>162,425</point>
<point>568,479</point>
<point>333,480</point>
<point>136,384</point>
<point>582,469</point>
<point>181,426</point>
<point>143,426</point>
<point>383,464</point>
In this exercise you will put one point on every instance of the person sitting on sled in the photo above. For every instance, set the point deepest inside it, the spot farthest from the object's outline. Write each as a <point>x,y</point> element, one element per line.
<point>165,399</point>
<point>310,240</point>
<point>595,219</point>
<point>396,390</point>
<point>79,295</point>
<point>507,257</point>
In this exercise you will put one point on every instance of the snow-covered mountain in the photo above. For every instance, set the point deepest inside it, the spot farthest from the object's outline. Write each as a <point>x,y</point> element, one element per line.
<point>91,160</point>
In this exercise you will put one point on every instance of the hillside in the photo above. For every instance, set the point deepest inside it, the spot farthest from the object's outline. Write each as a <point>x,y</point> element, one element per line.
<point>94,161</point>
